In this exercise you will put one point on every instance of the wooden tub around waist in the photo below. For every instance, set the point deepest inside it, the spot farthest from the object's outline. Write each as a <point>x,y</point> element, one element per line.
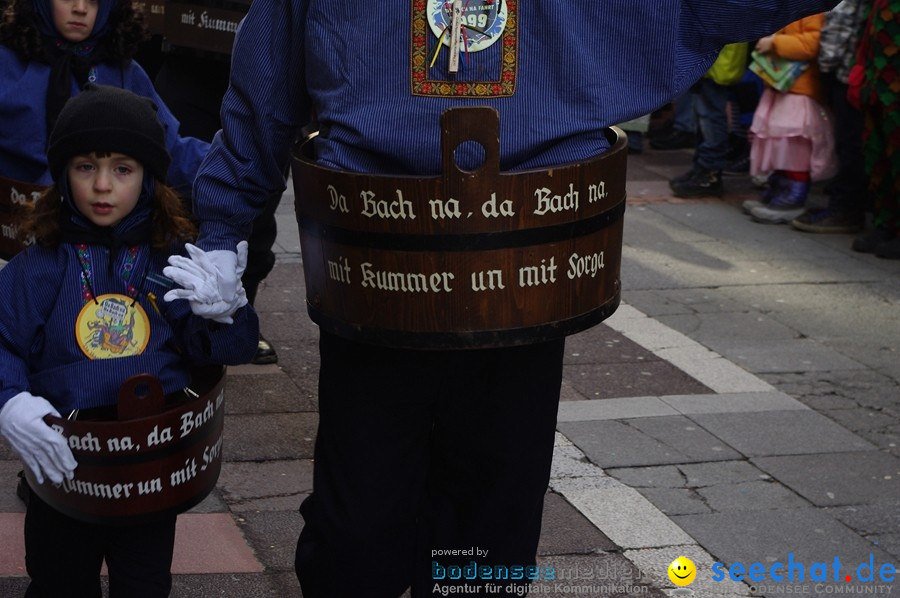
<point>13,195</point>
<point>151,462</point>
<point>466,259</point>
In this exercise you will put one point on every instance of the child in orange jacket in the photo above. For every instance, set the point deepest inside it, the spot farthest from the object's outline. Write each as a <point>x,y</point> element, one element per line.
<point>793,137</point>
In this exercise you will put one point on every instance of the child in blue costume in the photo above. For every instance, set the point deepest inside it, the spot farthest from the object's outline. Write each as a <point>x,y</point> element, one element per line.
<point>82,310</point>
<point>49,49</point>
<point>426,451</point>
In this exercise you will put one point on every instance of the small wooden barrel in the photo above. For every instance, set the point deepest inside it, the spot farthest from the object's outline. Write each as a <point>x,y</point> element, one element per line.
<point>13,195</point>
<point>467,259</point>
<point>149,463</point>
<point>202,27</point>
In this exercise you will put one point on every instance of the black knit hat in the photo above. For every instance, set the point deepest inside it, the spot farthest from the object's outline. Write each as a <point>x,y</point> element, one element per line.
<point>109,119</point>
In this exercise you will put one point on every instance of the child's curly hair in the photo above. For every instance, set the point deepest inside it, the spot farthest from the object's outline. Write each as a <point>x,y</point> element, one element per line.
<point>171,224</point>
<point>19,32</point>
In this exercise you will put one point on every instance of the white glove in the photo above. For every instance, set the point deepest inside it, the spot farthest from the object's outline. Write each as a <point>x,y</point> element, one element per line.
<point>41,448</point>
<point>211,281</point>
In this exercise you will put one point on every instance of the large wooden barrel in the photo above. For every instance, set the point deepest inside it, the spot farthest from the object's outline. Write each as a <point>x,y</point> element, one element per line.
<point>148,462</point>
<point>465,259</point>
<point>13,195</point>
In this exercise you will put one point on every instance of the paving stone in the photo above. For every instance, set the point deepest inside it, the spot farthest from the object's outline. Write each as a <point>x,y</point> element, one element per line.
<point>616,444</point>
<point>213,503</point>
<point>300,361</point>
<point>757,495</point>
<point>781,355</point>
<point>749,326</point>
<point>695,301</point>
<point>268,585</point>
<point>889,542</point>
<point>6,453</point>
<point>666,476</point>
<point>13,586</point>
<point>9,479</point>
<point>566,531</point>
<point>699,475</point>
<point>810,535</point>
<point>655,303</point>
<point>602,344</point>
<point>273,536</point>
<point>270,485</point>
<point>780,433</point>
<point>685,436</point>
<point>869,519</point>
<point>733,402</point>
<point>626,517</point>
<point>838,478</point>
<point>599,409</point>
<point>211,543</point>
<point>647,332</point>
<point>860,418</point>
<point>714,371</point>
<point>567,393</point>
<point>654,562</point>
<point>676,501</point>
<point>12,539</point>
<point>570,462</point>
<point>649,378</point>
<point>283,290</point>
<point>267,393</point>
<point>272,436</point>
<point>608,574</point>
<point>287,327</point>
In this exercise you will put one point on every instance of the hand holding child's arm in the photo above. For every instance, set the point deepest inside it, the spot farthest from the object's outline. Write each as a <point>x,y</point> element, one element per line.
<point>765,44</point>
<point>42,449</point>
<point>211,281</point>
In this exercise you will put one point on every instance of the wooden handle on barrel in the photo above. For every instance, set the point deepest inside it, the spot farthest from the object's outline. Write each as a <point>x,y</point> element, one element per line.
<point>140,396</point>
<point>479,124</point>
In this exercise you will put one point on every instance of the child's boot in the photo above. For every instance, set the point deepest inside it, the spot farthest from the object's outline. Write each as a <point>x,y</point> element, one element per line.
<point>785,205</point>
<point>774,184</point>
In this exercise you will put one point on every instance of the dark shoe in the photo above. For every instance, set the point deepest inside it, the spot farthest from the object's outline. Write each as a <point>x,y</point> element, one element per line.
<point>675,140</point>
<point>827,221</point>
<point>869,241</point>
<point>889,250</point>
<point>703,183</point>
<point>785,205</point>
<point>265,353</point>
<point>738,167</point>
<point>686,176</point>
<point>772,186</point>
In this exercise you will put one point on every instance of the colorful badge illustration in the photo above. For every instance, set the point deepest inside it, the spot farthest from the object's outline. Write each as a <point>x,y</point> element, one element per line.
<point>682,571</point>
<point>114,326</point>
<point>482,22</point>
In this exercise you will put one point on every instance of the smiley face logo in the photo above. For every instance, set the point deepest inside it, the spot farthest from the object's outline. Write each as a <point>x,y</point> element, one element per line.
<point>682,571</point>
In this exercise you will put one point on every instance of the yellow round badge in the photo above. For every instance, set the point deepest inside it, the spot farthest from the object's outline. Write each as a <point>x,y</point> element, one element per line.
<point>682,571</point>
<point>114,326</point>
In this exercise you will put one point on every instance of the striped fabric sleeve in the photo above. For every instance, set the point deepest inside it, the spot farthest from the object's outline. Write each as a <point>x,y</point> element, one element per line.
<point>262,112</point>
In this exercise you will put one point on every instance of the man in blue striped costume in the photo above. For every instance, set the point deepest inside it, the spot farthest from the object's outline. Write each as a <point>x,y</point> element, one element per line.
<point>426,451</point>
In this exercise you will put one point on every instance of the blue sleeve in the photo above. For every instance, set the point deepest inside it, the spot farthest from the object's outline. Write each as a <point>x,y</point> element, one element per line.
<point>27,295</point>
<point>209,342</point>
<point>262,112</point>
<point>187,152</point>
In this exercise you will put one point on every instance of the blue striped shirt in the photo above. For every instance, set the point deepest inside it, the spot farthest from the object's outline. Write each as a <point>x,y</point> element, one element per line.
<point>563,71</point>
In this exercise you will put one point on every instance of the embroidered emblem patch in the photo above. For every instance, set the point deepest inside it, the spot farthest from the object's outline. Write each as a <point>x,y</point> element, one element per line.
<point>483,23</point>
<point>114,326</point>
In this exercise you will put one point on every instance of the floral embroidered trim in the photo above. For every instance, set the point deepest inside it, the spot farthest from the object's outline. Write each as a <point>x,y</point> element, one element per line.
<point>422,85</point>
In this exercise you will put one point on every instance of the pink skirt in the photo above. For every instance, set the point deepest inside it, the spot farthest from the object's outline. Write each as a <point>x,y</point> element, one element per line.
<point>792,131</point>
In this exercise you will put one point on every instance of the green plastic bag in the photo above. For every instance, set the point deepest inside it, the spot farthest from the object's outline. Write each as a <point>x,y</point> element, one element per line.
<point>729,67</point>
